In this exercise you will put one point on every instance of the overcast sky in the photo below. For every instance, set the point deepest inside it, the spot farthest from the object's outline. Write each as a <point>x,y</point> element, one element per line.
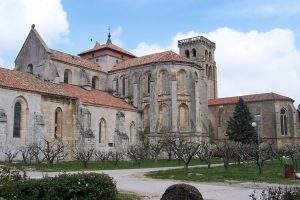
<point>258,42</point>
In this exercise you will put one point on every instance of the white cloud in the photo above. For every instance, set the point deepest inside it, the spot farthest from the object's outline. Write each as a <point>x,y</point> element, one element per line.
<point>116,35</point>
<point>16,17</point>
<point>249,62</point>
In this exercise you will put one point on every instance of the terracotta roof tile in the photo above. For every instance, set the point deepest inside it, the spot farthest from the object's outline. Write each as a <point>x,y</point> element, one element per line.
<point>165,56</point>
<point>248,98</point>
<point>74,60</point>
<point>27,82</point>
<point>107,46</point>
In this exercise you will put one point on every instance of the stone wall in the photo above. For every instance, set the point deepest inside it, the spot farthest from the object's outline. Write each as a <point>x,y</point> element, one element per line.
<point>163,94</point>
<point>32,126</point>
<point>270,121</point>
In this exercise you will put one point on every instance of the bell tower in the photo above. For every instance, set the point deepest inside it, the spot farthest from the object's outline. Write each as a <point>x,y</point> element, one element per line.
<point>201,51</point>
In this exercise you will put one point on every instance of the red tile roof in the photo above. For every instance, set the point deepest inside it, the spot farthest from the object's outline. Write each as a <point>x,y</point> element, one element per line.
<point>166,56</point>
<point>109,46</point>
<point>249,98</point>
<point>18,80</point>
<point>96,97</point>
<point>74,60</point>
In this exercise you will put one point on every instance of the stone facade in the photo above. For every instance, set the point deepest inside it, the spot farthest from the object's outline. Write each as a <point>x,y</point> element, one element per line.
<point>108,97</point>
<point>269,125</point>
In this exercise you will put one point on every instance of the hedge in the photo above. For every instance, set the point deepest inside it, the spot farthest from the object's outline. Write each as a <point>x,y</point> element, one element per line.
<point>63,187</point>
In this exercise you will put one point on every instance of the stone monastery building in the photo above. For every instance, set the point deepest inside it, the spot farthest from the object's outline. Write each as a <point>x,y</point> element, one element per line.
<point>110,96</point>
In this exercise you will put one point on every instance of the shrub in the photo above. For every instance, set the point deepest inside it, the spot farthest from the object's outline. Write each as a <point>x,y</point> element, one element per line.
<point>65,186</point>
<point>277,194</point>
<point>182,191</point>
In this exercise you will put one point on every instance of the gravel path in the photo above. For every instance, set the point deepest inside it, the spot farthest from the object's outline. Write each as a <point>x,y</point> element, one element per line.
<point>133,180</point>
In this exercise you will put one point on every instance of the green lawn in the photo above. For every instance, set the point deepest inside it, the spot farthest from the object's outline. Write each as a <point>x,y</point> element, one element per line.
<point>273,173</point>
<point>108,165</point>
<point>125,196</point>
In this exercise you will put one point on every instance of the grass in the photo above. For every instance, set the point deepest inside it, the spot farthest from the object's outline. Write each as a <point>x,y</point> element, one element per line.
<point>127,196</point>
<point>108,165</point>
<point>272,173</point>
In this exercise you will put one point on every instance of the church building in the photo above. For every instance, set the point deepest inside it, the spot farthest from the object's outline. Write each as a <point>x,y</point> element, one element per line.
<point>110,97</point>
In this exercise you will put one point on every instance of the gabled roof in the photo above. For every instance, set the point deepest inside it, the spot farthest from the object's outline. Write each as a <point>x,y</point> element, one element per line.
<point>166,56</point>
<point>109,46</point>
<point>249,98</point>
<point>73,60</point>
<point>17,80</point>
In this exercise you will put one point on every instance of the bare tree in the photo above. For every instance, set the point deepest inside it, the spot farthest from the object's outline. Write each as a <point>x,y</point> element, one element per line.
<point>10,153</point>
<point>241,152</point>
<point>185,149</point>
<point>206,153</point>
<point>225,150</point>
<point>155,148</point>
<point>261,153</point>
<point>137,153</point>
<point>26,154</point>
<point>168,140</point>
<point>52,150</point>
<point>103,155</point>
<point>292,151</point>
<point>84,154</point>
<point>117,155</point>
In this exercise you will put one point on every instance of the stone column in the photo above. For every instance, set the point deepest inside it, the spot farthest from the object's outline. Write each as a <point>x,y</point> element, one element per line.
<point>153,107</point>
<point>174,109</point>
<point>135,94</point>
<point>197,107</point>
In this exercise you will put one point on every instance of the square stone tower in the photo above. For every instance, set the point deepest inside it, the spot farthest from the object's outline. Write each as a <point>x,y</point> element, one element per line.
<point>201,51</point>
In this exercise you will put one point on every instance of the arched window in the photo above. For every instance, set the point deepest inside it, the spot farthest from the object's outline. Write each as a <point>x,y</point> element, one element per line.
<point>181,81</point>
<point>95,82</point>
<point>117,85</point>
<point>194,52</point>
<point>30,68</point>
<point>209,56</point>
<point>148,83</point>
<point>206,55</point>
<point>183,117</point>
<point>132,132</point>
<point>58,123</point>
<point>164,118</point>
<point>123,86</point>
<point>209,72</point>
<point>163,82</point>
<point>283,122</point>
<point>146,119</point>
<point>67,76</point>
<point>17,119</point>
<point>220,116</point>
<point>187,53</point>
<point>102,131</point>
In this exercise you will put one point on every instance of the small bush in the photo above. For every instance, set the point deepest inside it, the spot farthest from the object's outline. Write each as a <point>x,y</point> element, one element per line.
<point>277,194</point>
<point>62,187</point>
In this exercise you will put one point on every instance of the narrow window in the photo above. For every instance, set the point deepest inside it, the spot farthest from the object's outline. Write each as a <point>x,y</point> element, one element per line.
<point>17,120</point>
<point>187,53</point>
<point>102,131</point>
<point>58,123</point>
<point>123,86</point>
<point>206,55</point>
<point>117,85</point>
<point>283,122</point>
<point>67,76</point>
<point>209,56</point>
<point>194,52</point>
<point>30,68</point>
<point>148,83</point>
<point>95,82</point>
